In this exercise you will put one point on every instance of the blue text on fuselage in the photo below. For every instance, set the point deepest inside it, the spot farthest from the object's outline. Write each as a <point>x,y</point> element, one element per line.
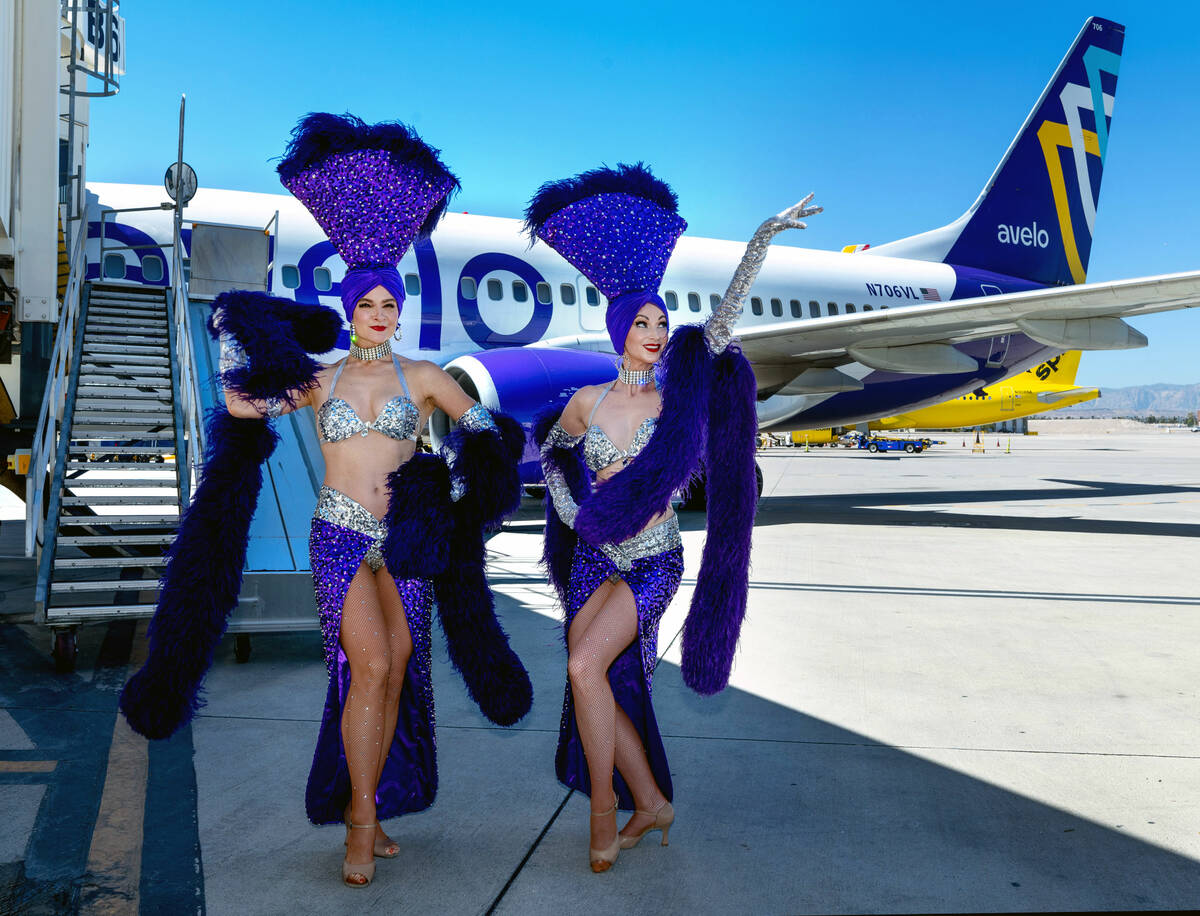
<point>888,289</point>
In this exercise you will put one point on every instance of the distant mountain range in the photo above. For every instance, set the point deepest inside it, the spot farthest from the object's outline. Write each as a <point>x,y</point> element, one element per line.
<point>1140,401</point>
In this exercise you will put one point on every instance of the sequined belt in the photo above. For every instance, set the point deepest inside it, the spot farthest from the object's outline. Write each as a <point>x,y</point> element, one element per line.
<point>337,508</point>
<point>662,537</point>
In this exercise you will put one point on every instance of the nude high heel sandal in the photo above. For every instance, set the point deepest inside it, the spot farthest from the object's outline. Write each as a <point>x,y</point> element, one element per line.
<point>364,871</point>
<point>602,859</point>
<point>388,850</point>
<point>664,817</point>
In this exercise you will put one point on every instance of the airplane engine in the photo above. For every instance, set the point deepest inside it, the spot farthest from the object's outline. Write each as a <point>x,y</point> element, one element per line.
<point>523,381</point>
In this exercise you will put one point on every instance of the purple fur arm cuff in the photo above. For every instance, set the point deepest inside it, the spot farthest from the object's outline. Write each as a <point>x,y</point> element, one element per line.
<point>277,336</point>
<point>714,621</point>
<point>418,520</point>
<point>626,503</point>
<point>486,465</point>
<point>202,580</point>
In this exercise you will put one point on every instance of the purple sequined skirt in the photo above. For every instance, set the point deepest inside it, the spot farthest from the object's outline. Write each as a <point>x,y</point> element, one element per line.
<point>653,581</point>
<point>409,780</point>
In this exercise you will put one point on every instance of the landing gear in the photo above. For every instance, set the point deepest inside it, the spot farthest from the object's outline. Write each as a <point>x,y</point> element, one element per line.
<point>64,651</point>
<point>241,648</point>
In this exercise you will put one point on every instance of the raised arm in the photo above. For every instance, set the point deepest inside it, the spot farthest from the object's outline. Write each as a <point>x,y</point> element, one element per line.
<point>718,330</point>
<point>232,356</point>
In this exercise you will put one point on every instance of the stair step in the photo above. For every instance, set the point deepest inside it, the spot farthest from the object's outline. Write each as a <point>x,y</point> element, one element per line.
<point>123,359</point>
<point>121,388</point>
<point>111,585</point>
<point>123,405</point>
<point>115,540</point>
<point>116,311</point>
<point>142,521</point>
<point>107,348</point>
<point>146,418</point>
<point>141,466</point>
<point>121,450</point>
<point>168,500</point>
<point>84,483</point>
<point>108,562</point>
<point>102,612</point>
<point>111,318</point>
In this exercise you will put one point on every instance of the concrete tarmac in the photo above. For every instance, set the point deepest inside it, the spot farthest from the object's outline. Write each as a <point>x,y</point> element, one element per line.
<point>966,682</point>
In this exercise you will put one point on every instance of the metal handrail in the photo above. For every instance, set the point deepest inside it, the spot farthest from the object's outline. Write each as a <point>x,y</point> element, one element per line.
<point>189,454</point>
<point>49,426</point>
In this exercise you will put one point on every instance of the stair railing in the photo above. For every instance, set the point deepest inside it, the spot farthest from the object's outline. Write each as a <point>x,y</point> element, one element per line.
<point>49,431</point>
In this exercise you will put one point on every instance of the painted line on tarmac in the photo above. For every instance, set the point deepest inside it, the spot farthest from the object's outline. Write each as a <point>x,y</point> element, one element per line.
<point>114,862</point>
<point>28,766</point>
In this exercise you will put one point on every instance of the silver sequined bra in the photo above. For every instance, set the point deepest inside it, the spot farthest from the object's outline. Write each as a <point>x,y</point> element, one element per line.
<point>337,420</point>
<point>336,507</point>
<point>599,451</point>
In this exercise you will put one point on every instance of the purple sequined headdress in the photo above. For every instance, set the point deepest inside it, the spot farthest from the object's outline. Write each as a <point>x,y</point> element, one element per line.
<point>618,227</point>
<point>373,189</point>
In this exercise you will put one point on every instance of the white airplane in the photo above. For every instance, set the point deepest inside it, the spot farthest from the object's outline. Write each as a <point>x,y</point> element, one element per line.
<point>835,338</point>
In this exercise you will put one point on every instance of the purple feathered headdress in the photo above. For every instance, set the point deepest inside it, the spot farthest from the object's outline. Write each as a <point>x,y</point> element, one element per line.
<point>372,188</point>
<point>618,227</point>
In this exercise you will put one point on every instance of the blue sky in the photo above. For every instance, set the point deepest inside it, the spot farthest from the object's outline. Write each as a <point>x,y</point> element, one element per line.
<point>895,114</point>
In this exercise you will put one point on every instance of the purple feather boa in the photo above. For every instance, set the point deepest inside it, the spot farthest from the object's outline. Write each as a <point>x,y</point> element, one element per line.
<point>486,465</point>
<point>278,335</point>
<point>202,580</point>
<point>417,545</point>
<point>710,633</point>
<point>625,504</point>
<point>428,536</point>
<point>558,546</point>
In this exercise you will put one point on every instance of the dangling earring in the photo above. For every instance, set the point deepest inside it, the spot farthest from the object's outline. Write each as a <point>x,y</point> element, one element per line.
<point>399,334</point>
<point>353,337</point>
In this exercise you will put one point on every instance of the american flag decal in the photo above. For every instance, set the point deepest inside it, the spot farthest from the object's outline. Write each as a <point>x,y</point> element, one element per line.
<point>930,295</point>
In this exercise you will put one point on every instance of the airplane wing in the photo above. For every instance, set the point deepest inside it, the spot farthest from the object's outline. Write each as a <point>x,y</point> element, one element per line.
<point>918,338</point>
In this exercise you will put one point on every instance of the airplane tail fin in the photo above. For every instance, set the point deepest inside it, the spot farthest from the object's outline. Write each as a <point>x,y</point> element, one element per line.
<point>1035,217</point>
<point>1058,370</point>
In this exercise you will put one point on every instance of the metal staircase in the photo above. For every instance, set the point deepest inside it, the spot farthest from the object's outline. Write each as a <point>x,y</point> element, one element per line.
<point>115,497</point>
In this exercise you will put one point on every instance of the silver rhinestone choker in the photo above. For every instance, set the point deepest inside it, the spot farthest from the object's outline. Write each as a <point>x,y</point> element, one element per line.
<point>632,377</point>
<point>383,351</point>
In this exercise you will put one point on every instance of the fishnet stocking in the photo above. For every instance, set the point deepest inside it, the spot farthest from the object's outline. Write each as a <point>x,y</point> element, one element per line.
<point>601,630</point>
<point>369,720</point>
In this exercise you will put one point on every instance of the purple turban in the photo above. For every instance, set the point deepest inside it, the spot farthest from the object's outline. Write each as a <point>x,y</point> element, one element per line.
<point>359,282</point>
<point>621,312</point>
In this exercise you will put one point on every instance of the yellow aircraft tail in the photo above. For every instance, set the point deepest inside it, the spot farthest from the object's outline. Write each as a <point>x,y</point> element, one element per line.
<point>1058,370</point>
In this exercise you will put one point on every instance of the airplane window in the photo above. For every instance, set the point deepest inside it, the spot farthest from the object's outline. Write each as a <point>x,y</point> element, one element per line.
<point>520,290</point>
<point>694,301</point>
<point>290,276</point>
<point>777,308</point>
<point>322,279</point>
<point>591,296</point>
<point>152,268</point>
<point>814,308</point>
<point>495,290</point>
<point>671,299</point>
<point>882,307</point>
<point>543,293</point>
<point>866,308</point>
<point>795,304</point>
<point>187,270</point>
<point>114,267</point>
<point>756,305</point>
<point>713,301</point>
<point>849,308</point>
<point>567,291</point>
<point>412,284</point>
<point>832,308</point>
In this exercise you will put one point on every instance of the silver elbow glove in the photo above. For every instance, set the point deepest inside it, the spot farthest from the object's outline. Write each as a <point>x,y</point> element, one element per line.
<point>556,484</point>
<point>718,330</point>
<point>232,356</point>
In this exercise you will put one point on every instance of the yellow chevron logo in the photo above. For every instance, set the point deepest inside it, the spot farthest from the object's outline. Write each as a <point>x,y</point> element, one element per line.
<point>1053,137</point>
